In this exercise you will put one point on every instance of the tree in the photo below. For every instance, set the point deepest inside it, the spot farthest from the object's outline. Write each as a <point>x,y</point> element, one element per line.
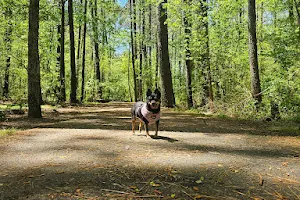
<point>62,92</point>
<point>34,84</point>
<point>8,43</point>
<point>84,50</point>
<point>188,58</point>
<point>168,99</point>
<point>133,45</point>
<point>207,87</point>
<point>73,94</point>
<point>254,71</point>
<point>96,47</point>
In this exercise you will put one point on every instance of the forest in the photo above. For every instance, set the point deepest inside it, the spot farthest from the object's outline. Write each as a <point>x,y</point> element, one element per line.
<point>237,58</point>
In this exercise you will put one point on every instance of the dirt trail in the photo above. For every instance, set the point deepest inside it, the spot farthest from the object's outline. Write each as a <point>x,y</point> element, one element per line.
<point>90,153</point>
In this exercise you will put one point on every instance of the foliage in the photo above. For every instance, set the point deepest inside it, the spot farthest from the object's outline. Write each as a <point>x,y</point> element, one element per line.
<point>278,45</point>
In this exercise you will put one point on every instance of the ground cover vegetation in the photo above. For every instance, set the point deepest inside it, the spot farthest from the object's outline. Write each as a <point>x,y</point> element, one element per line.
<point>238,58</point>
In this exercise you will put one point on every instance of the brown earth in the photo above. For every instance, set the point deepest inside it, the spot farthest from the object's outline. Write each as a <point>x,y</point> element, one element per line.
<point>90,153</point>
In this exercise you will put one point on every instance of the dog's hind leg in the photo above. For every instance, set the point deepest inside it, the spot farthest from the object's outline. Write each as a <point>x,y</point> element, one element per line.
<point>140,126</point>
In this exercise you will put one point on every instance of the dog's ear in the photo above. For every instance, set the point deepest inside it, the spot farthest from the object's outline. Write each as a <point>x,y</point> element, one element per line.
<point>149,92</point>
<point>158,93</point>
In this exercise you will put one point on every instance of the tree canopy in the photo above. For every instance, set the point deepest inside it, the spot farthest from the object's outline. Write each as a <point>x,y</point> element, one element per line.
<point>208,52</point>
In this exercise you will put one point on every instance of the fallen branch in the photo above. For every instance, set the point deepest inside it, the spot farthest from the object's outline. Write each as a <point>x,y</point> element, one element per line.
<point>285,180</point>
<point>116,191</point>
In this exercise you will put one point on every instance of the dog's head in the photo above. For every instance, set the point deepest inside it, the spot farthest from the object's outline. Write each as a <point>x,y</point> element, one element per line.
<point>153,99</point>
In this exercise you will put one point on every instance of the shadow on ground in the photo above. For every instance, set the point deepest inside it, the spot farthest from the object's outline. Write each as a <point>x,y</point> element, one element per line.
<point>119,182</point>
<point>89,153</point>
<point>116,116</point>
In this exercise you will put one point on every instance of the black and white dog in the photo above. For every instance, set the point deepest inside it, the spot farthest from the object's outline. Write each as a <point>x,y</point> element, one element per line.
<point>148,112</point>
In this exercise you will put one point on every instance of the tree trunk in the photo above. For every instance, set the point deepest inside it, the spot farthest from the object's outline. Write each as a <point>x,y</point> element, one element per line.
<point>128,74</point>
<point>96,47</point>
<point>62,94</point>
<point>254,71</point>
<point>83,53</point>
<point>7,40</point>
<point>34,80</point>
<point>73,94</point>
<point>188,59</point>
<point>150,85</point>
<point>297,6</point>
<point>79,38</point>
<point>168,99</point>
<point>206,72</point>
<point>133,56</point>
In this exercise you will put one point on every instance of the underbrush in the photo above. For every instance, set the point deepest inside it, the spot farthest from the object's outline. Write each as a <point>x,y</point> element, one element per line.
<point>7,132</point>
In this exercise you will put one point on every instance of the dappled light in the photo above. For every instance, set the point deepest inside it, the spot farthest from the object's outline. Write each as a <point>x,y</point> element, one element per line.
<point>93,154</point>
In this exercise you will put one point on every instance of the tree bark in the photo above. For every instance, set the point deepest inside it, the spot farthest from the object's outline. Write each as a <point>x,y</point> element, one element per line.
<point>96,47</point>
<point>188,59</point>
<point>254,71</point>
<point>62,54</point>
<point>79,38</point>
<point>83,52</point>
<point>7,40</point>
<point>168,99</point>
<point>34,80</point>
<point>133,56</point>
<point>297,6</point>
<point>207,97</point>
<point>73,94</point>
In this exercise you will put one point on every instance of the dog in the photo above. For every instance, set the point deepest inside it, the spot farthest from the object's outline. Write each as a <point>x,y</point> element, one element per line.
<point>148,112</point>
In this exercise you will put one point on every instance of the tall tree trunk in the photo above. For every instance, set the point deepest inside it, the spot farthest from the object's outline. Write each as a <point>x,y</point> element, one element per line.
<point>206,72</point>
<point>158,61</point>
<point>254,71</point>
<point>34,80</point>
<point>188,59</point>
<point>83,52</point>
<point>133,56</point>
<point>79,38</point>
<point>168,99</point>
<point>297,6</point>
<point>150,46</point>
<point>62,95</point>
<point>96,47</point>
<point>128,73</point>
<point>206,55</point>
<point>73,94</point>
<point>143,56</point>
<point>7,40</point>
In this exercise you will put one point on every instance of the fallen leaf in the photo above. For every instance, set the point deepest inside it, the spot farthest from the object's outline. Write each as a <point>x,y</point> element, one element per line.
<point>173,196</point>
<point>78,191</point>
<point>195,188</point>
<point>198,197</point>
<point>133,187</point>
<point>157,192</point>
<point>154,184</point>
<point>200,180</point>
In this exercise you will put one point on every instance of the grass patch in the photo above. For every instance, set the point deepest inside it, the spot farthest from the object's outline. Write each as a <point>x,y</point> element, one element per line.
<point>7,132</point>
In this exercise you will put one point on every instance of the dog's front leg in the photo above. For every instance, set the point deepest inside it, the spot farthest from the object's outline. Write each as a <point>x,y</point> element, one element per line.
<point>132,125</point>
<point>147,130</point>
<point>156,128</point>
